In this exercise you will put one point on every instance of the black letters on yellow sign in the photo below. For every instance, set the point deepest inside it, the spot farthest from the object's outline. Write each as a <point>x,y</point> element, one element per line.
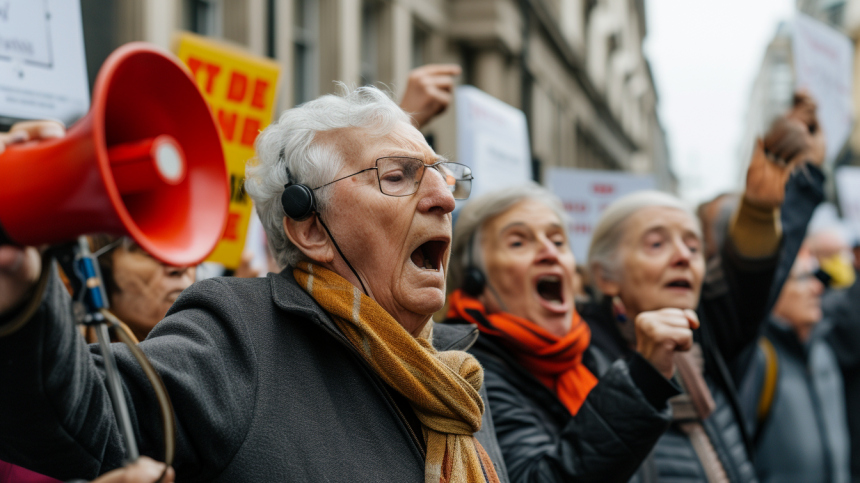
<point>237,189</point>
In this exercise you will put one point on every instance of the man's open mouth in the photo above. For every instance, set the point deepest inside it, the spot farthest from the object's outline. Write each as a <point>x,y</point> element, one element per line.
<point>549,288</point>
<point>428,255</point>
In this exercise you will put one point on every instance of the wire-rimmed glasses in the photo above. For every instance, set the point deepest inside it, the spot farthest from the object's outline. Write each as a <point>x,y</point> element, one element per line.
<point>401,176</point>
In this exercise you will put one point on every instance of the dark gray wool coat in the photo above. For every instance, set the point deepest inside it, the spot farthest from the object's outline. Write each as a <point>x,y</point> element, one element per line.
<point>264,386</point>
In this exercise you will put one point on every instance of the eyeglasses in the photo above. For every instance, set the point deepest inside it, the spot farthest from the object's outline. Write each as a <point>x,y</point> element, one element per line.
<point>401,176</point>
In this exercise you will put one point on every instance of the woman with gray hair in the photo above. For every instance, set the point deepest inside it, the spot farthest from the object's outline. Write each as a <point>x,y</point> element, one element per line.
<point>512,276</point>
<point>647,262</point>
<point>329,371</point>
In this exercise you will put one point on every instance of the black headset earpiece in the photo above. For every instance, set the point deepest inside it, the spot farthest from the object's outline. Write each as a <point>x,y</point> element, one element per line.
<point>298,201</point>
<point>474,280</point>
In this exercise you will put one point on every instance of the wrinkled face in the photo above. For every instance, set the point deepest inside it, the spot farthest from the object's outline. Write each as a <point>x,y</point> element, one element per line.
<point>529,264</point>
<point>398,245</point>
<point>662,264</point>
<point>799,303</point>
<point>146,288</point>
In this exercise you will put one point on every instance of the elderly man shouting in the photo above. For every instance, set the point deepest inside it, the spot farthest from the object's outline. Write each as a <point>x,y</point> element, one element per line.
<point>328,371</point>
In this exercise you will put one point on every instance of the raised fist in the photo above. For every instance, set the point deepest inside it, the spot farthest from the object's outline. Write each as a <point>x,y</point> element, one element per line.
<point>661,333</point>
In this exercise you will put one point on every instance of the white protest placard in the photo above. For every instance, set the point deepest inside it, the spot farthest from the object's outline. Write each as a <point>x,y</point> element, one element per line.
<point>43,72</point>
<point>492,139</point>
<point>585,194</point>
<point>823,65</point>
<point>848,187</point>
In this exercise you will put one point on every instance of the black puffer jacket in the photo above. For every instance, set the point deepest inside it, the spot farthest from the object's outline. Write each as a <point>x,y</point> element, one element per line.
<point>265,388</point>
<point>673,458</point>
<point>613,431</point>
<point>736,296</point>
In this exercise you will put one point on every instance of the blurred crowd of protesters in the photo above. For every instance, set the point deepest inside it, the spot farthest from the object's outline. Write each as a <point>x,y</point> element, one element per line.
<point>709,345</point>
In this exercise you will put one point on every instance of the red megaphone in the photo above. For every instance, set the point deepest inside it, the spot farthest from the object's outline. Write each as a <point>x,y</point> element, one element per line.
<point>146,162</point>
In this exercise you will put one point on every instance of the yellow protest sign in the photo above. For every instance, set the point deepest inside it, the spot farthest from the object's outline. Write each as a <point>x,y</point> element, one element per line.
<point>240,88</point>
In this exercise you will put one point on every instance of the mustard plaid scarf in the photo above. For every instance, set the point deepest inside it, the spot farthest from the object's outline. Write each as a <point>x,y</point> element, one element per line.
<point>442,387</point>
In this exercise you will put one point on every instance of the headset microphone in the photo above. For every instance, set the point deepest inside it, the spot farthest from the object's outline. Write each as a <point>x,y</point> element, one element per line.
<point>299,204</point>
<point>474,280</point>
<point>298,201</point>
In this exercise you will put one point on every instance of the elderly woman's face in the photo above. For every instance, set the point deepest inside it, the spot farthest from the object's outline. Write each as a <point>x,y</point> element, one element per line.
<point>662,264</point>
<point>146,288</point>
<point>398,245</point>
<point>530,265</point>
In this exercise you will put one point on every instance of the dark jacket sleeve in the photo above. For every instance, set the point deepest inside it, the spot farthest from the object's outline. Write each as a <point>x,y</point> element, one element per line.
<point>57,416</point>
<point>842,311</point>
<point>803,193</point>
<point>606,441</point>
<point>739,292</point>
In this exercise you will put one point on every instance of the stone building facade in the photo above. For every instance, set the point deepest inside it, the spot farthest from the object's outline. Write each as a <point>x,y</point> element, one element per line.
<point>575,67</point>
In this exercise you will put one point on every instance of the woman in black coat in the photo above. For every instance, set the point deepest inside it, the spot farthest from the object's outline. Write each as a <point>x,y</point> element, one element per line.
<point>554,419</point>
<point>640,259</point>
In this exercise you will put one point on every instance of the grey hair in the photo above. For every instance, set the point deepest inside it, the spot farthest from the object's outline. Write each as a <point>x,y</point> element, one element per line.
<point>603,253</point>
<point>288,152</point>
<point>478,212</point>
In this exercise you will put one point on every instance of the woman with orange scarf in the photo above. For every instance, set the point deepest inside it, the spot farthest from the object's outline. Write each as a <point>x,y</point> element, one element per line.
<point>513,275</point>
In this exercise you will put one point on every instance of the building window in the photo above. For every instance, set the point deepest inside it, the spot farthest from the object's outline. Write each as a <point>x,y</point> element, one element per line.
<point>420,42</point>
<point>206,17</point>
<point>371,10</point>
<point>590,154</point>
<point>305,30</point>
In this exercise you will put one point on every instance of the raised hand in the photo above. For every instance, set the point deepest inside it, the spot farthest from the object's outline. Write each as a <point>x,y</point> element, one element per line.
<point>31,130</point>
<point>144,470</point>
<point>428,91</point>
<point>804,111</point>
<point>661,333</point>
<point>20,266</point>
<point>792,140</point>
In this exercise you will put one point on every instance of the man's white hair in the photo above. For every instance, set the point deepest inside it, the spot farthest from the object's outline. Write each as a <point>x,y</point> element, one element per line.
<point>289,151</point>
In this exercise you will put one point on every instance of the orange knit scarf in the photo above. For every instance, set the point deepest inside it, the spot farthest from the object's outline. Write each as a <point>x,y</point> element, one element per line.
<point>555,361</point>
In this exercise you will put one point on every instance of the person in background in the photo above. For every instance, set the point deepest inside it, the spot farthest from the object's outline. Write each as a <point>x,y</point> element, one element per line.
<point>140,289</point>
<point>841,308</point>
<point>645,256</point>
<point>793,394</point>
<point>831,249</point>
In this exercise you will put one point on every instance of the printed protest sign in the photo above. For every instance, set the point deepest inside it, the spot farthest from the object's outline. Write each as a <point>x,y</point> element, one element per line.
<point>43,72</point>
<point>492,139</point>
<point>823,65</point>
<point>585,194</point>
<point>240,88</point>
<point>848,187</point>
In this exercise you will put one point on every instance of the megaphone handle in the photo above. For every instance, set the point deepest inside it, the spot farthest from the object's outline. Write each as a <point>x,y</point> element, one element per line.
<point>95,299</point>
<point>114,389</point>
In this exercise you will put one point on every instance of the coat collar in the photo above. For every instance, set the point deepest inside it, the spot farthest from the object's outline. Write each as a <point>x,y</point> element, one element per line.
<point>291,298</point>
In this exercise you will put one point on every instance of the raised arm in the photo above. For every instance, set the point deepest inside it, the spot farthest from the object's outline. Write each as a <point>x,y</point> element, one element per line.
<point>58,419</point>
<point>784,185</point>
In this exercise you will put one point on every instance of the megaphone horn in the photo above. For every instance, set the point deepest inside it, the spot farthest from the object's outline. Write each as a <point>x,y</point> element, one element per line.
<point>146,161</point>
